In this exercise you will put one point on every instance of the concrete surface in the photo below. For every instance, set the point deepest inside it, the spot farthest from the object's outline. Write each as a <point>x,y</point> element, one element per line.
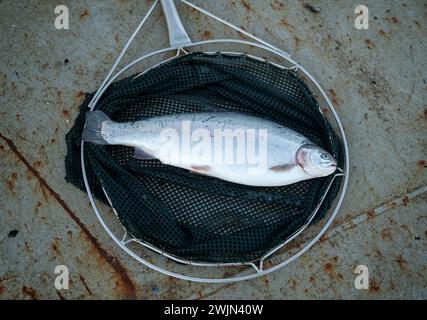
<point>376,79</point>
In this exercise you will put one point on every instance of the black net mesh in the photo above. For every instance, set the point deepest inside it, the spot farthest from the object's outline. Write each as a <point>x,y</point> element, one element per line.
<point>196,217</point>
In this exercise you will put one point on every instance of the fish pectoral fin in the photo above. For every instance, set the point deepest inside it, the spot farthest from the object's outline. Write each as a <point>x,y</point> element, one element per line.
<point>200,169</point>
<point>282,167</point>
<point>142,154</point>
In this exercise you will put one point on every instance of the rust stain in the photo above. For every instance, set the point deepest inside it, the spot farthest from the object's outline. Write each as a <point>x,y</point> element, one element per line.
<point>374,286</point>
<point>330,269</point>
<point>30,292</point>
<point>80,94</point>
<point>392,20</point>
<point>407,229</point>
<point>61,297</point>
<point>333,97</point>
<point>379,254</point>
<point>129,286</point>
<point>386,234</point>
<point>266,282</point>
<point>66,113</point>
<point>284,23</point>
<point>25,139</point>
<point>401,262</point>
<point>246,5</point>
<point>196,13</point>
<point>277,5</point>
<point>207,34</point>
<point>405,201</point>
<point>10,183</point>
<point>55,245</point>
<point>38,164</point>
<point>370,214</point>
<point>323,238</point>
<point>370,43</point>
<point>55,248</point>
<point>297,42</point>
<point>79,71</point>
<point>27,246</point>
<point>44,191</point>
<point>293,284</point>
<point>1,290</point>
<point>293,245</point>
<point>85,284</point>
<point>268,264</point>
<point>391,204</point>
<point>384,34</point>
<point>85,13</point>
<point>7,278</point>
<point>217,289</point>
<point>312,279</point>
<point>421,164</point>
<point>325,110</point>
<point>98,73</point>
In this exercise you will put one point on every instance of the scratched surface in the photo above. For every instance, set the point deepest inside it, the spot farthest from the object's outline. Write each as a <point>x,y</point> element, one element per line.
<point>376,78</point>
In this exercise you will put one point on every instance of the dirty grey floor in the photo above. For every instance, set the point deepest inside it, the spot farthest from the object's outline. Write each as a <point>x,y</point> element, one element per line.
<point>376,78</point>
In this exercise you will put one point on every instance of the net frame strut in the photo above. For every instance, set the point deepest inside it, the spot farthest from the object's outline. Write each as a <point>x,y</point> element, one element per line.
<point>179,41</point>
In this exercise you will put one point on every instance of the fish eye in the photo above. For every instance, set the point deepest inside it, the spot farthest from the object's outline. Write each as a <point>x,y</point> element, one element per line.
<point>324,156</point>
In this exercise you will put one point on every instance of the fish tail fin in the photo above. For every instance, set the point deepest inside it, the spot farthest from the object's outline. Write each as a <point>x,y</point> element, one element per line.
<point>92,129</point>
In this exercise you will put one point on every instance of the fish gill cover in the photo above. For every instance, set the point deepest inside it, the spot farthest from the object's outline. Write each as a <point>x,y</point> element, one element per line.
<point>196,217</point>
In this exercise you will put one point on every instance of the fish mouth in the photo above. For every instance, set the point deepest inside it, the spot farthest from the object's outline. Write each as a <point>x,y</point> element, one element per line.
<point>332,165</point>
<point>332,168</point>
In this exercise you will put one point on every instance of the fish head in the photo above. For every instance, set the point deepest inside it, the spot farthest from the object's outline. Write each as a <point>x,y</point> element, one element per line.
<point>315,161</point>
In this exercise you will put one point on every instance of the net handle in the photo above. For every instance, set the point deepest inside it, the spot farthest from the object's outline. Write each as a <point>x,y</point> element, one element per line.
<point>178,37</point>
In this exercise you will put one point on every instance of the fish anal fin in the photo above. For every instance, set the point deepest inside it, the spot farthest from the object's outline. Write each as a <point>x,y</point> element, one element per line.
<point>200,169</point>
